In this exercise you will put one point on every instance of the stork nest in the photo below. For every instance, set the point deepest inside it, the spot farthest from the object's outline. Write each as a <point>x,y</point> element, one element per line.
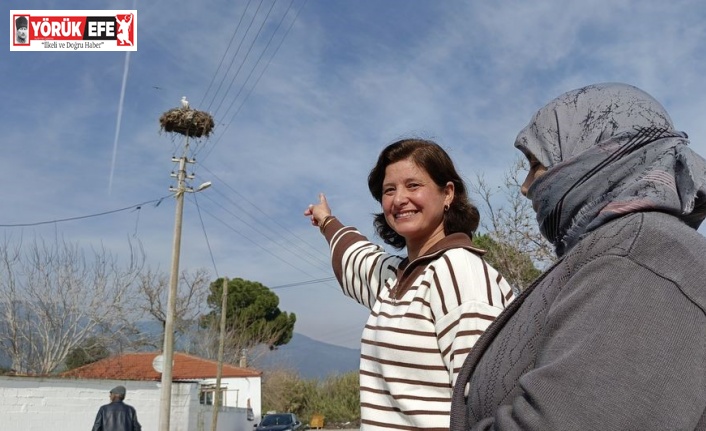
<point>187,121</point>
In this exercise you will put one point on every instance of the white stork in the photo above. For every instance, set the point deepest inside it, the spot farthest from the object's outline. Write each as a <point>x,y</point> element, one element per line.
<point>184,102</point>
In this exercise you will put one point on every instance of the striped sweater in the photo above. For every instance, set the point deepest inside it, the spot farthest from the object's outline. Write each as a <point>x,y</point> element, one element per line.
<point>425,317</point>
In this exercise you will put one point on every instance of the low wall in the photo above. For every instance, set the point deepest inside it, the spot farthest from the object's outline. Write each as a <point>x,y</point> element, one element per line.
<point>229,419</point>
<point>38,404</point>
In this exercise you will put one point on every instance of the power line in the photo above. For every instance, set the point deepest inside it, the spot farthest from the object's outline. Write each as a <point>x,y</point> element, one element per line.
<point>302,251</point>
<point>227,125</point>
<point>247,54</point>
<point>230,43</point>
<point>208,244</point>
<point>258,245</point>
<point>302,283</point>
<point>300,243</point>
<point>319,259</point>
<point>136,206</point>
<point>234,56</point>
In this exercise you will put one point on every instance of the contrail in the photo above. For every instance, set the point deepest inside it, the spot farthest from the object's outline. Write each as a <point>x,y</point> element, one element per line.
<point>120,117</point>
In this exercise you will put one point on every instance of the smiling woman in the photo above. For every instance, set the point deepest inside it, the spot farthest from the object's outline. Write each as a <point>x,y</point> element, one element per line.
<point>427,308</point>
<point>413,206</point>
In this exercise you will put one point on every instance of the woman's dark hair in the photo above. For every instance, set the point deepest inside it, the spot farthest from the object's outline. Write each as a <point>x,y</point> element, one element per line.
<point>462,215</point>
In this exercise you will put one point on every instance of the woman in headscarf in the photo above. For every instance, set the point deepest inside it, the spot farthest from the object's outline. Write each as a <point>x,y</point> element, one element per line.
<point>612,336</point>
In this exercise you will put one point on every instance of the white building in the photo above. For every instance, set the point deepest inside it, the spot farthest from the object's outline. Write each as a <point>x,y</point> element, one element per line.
<point>71,401</point>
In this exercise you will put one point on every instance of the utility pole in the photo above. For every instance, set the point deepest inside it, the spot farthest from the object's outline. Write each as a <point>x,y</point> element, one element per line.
<point>188,122</point>
<point>221,345</point>
<point>165,402</point>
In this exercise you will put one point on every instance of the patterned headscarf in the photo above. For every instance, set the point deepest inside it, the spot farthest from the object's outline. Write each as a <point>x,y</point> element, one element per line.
<point>609,149</point>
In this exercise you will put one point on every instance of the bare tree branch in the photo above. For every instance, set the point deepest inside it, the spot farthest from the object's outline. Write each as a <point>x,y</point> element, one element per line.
<point>192,292</point>
<point>52,298</point>
<point>511,224</point>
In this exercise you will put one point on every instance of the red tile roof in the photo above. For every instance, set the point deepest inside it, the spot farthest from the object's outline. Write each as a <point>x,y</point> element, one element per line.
<point>138,366</point>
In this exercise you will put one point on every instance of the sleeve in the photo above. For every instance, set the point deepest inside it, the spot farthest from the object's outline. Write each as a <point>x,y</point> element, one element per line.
<point>360,266</point>
<point>470,294</point>
<point>135,423</point>
<point>623,348</point>
<point>98,423</point>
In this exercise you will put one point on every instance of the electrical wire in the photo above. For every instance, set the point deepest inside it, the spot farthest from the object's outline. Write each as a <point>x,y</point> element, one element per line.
<point>242,40</point>
<point>247,54</point>
<point>257,244</point>
<point>247,96</point>
<point>302,283</point>
<point>267,46</point>
<point>203,228</point>
<point>320,258</point>
<point>225,53</point>
<point>136,206</point>
<point>302,253</point>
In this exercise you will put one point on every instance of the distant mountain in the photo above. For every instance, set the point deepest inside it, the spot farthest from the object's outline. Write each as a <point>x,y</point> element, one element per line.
<point>311,358</point>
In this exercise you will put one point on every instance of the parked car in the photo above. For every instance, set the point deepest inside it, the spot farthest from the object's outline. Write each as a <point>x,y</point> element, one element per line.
<point>279,422</point>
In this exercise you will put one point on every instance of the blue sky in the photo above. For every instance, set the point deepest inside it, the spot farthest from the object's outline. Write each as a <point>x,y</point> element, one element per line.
<point>305,108</point>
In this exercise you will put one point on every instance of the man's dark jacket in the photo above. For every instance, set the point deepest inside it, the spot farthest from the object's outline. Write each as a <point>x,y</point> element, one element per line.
<point>116,416</point>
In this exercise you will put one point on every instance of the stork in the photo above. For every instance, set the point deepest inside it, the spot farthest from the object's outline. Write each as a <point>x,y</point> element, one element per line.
<point>184,102</point>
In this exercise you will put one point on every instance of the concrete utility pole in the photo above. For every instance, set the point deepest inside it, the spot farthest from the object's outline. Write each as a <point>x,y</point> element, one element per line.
<point>168,351</point>
<point>221,345</point>
<point>187,122</point>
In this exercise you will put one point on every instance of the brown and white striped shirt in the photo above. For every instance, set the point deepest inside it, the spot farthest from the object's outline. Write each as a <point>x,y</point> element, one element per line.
<point>426,315</point>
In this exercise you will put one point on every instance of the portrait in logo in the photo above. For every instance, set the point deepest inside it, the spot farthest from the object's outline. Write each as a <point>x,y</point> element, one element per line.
<point>21,30</point>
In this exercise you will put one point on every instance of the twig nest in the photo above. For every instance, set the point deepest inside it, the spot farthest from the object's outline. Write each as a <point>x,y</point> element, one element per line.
<point>187,121</point>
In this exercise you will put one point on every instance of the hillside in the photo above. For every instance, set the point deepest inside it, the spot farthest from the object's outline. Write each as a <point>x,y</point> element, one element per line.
<point>311,358</point>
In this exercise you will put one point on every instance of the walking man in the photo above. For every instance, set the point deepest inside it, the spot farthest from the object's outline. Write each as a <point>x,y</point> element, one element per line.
<point>117,416</point>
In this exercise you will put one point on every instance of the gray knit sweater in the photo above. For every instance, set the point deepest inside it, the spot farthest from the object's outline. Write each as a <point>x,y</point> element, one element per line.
<point>613,337</point>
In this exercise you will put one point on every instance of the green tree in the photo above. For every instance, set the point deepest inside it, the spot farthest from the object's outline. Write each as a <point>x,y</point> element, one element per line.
<point>339,398</point>
<point>336,398</point>
<point>91,350</point>
<point>283,390</point>
<point>517,267</point>
<point>253,318</point>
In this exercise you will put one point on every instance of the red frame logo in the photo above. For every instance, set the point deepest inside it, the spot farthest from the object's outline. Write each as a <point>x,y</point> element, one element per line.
<point>105,30</point>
